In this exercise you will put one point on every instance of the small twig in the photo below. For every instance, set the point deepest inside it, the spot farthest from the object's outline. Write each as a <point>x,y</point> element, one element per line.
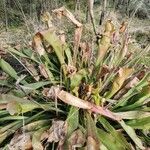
<point>90,6</point>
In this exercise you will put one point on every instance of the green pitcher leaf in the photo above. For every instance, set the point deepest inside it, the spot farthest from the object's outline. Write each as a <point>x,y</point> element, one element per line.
<point>122,75</point>
<point>51,37</point>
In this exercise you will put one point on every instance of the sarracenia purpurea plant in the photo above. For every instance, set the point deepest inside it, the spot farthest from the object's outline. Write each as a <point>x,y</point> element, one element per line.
<point>74,96</point>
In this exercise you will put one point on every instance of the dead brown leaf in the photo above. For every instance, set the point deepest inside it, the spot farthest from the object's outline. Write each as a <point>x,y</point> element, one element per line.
<point>141,74</point>
<point>71,70</point>
<point>56,92</point>
<point>57,132</point>
<point>63,11</point>
<point>105,70</point>
<point>124,49</point>
<point>38,45</point>
<point>43,71</point>
<point>3,106</point>
<point>86,52</point>
<point>92,144</point>
<point>129,55</point>
<point>77,139</point>
<point>2,52</point>
<point>77,38</point>
<point>21,141</point>
<point>32,70</point>
<point>123,27</point>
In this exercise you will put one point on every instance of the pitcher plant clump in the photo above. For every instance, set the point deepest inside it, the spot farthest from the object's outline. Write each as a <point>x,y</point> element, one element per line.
<point>76,95</point>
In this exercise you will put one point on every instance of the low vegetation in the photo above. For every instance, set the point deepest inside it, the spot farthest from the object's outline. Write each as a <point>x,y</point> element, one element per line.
<point>76,94</point>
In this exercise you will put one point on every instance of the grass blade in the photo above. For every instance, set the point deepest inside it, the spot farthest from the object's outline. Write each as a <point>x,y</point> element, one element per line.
<point>130,131</point>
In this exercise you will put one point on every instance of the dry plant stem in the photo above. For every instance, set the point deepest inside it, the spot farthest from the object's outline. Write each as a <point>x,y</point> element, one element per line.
<point>91,3</point>
<point>6,15</point>
<point>102,16</point>
<point>77,102</point>
<point>77,38</point>
<point>77,6</point>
